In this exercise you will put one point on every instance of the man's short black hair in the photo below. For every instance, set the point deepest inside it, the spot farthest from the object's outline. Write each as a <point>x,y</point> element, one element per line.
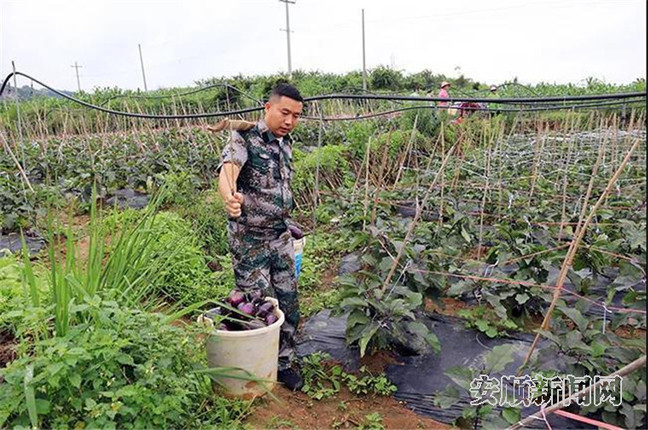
<point>287,90</point>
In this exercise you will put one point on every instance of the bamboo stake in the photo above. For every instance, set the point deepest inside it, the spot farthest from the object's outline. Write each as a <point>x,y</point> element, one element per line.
<point>407,151</point>
<point>564,187</point>
<point>380,179</point>
<point>579,234</point>
<point>16,162</point>
<point>366,196</point>
<point>498,152</point>
<point>417,216</point>
<point>537,148</point>
<point>441,208</point>
<point>483,204</point>
<point>317,167</point>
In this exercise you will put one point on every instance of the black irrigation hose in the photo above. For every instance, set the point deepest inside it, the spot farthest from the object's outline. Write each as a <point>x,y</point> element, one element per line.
<point>480,100</point>
<point>621,96</point>
<point>129,114</point>
<point>544,108</point>
<point>152,96</point>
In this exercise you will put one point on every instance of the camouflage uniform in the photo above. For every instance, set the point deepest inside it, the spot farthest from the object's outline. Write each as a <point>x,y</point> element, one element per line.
<point>261,246</point>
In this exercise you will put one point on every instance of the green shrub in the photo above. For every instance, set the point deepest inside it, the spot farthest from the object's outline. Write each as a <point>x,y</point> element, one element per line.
<point>132,370</point>
<point>334,172</point>
<point>186,276</point>
<point>427,121</point>
<point>209,220</point>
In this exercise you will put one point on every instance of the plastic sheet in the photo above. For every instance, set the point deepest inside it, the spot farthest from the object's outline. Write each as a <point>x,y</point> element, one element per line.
<point>128,199</point>
<point>12,243</point>
<point>419,377</point>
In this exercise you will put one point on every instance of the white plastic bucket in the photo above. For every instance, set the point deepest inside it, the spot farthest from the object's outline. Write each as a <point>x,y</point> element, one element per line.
<point>256,352</point>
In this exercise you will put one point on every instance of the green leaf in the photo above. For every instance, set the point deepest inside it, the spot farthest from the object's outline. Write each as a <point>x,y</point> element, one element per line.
<point>494,422</point>
<point>498,358</point>
<point>75,380</point>
<point>125,359</point>
<point>598,349</point>
<point>90,403</point>
<point>42,406</point>
<point>575,340</point>
<point>459,288</point>
<point>630,416</point>
<point>357,317</point>
<point>578,318</point>
<point>482,325</point>
<point>461,376</point>
<point>352,302</point>
<point>522,298</point>
<point>447,398</point>
<point>366,337</point>
<point>496,302</point>
<point>512,415</point>
<point>465,234</point>
<point>30,395</point>
<point>433,341</point>
<point>54,368</point>
<point>418,328</point>
<point>552,337</point>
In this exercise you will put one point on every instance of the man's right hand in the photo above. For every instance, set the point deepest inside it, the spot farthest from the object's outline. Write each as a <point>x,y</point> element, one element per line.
<point>233,205</point>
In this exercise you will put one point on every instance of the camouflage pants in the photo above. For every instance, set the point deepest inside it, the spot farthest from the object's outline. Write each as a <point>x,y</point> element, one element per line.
<point>265,261</point>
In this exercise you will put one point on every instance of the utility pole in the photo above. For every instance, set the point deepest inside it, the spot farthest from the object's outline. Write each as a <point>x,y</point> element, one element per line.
<point>287,30</point>
<point>77,74</point>
<point>142,63</point>
<point>364,63</point>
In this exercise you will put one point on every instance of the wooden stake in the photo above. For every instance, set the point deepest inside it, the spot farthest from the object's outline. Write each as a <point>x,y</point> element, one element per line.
<point>417,216</point>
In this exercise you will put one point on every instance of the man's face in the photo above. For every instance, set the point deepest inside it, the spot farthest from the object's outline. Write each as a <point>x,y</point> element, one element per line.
<point>282,115</point>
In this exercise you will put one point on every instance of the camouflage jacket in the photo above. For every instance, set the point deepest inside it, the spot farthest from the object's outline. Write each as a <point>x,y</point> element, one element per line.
<point>264,180</point>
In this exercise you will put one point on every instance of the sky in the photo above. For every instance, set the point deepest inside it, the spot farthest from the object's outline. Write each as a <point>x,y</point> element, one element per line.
<point>182,41</point>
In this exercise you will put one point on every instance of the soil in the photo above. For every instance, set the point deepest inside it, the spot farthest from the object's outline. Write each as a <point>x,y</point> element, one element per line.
<point>448,306</point>
<point>7,348</point>
<point>297,410</point>
<point>342,411</point>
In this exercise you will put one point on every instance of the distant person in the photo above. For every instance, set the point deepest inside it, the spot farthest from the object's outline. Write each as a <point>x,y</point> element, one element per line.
<point>443,93</point>
<point>493,107</point>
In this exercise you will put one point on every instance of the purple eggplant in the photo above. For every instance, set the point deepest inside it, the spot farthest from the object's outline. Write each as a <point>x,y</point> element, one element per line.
<point>264,309</point>
<point>295,231</point>
<point>232,326</point>
<point>246,307</point>
<point>235,297</point>
<point>271,319</point>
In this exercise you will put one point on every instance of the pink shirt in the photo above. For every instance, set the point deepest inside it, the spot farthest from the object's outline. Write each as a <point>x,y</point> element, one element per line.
<point>443,94</point>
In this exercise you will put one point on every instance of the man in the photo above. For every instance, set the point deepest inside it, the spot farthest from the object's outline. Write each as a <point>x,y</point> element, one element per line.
<point>254,182</point>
